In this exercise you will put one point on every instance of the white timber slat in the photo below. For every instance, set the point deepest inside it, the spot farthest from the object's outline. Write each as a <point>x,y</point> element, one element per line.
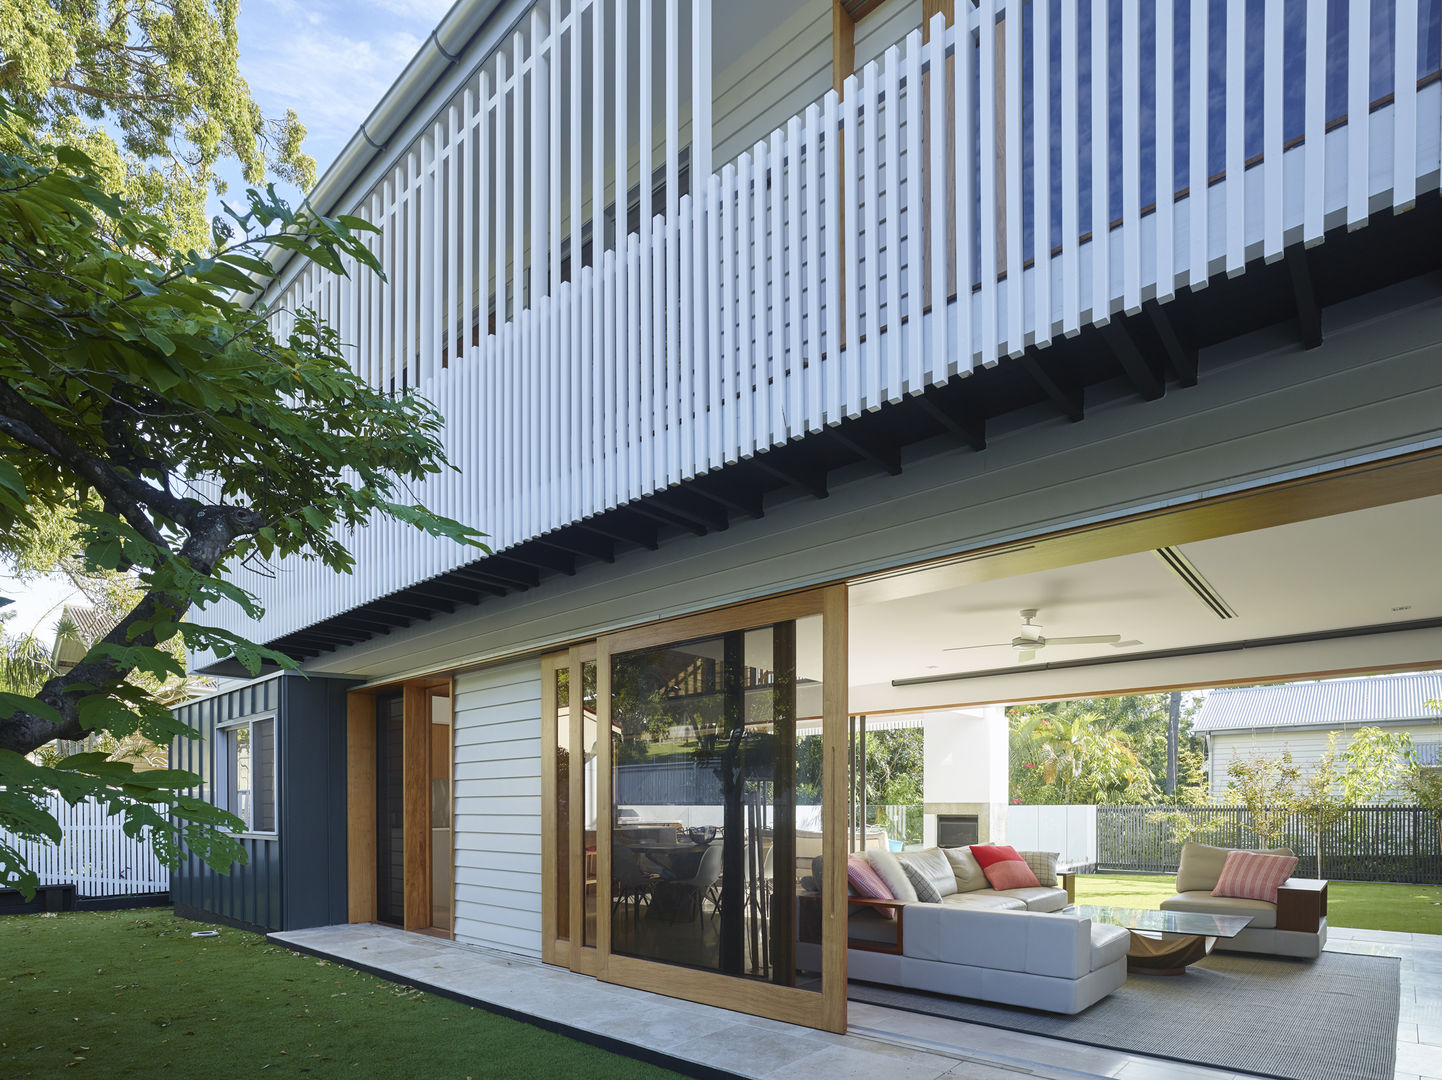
<point>1236,182</point>
<point>1014,199</point>
<point>869,148</point>
<point>989,211</point>
<point>1101,167</point>
<point>1198,255</point>
<point>795,293</point>
<point>889,371</point>
<point>717,359</point>
<point>1359,72</point>
<point>745,285</point>
<point>1070,173</point>
<point>624,416</point>
<point>731,348</point>
<point>829,164</point>
<point>1404,108</point>
<point>936,362</point>
<point>774,378</point>
<point>1272,45</point>
<point>652,465</point>
<point>1166,182</point>
<point>673,203</point>
<point>915,234</point>
<point>850,243</point>
<point>1131,160</point>
<point>1041,172</point>
<point>1314,106</point>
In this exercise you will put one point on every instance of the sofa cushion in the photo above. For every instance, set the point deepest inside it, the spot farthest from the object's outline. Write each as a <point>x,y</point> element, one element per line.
<point>1264,915</point>
<point>1038,898</point>
<point>930,873</point>
<point>889,867</point>
<point>1004,868</point>
<point>985,900</point>
<point>867,883</point>
<point>1109,944</point>
<point>1043,865</point>
<point>1201,865</point>
<point>1254,875</point>
<point>965,869</point>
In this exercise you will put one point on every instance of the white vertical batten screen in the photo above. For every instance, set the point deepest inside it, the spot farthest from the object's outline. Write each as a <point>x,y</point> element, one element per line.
<point>584,357</point>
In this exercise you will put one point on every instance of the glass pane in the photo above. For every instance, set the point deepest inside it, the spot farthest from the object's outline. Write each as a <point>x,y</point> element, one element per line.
<point>262,780</point>
<point>717,787</point>
<point>440,777</point>
<point>238,750</point>
<point>587,706</point>
<point>561,732</point>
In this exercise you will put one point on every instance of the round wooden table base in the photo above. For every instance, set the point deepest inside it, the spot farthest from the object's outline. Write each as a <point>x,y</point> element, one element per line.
<point>1165,956</point>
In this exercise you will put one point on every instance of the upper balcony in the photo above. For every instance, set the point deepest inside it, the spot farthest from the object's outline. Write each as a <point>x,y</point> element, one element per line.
<point>617,274</point>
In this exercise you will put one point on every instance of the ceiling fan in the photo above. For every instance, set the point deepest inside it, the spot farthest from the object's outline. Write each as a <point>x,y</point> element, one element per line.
<point>1029,639</point>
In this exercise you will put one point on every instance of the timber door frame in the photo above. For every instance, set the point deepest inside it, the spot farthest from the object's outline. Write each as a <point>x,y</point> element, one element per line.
<point>827,1009</point>
<point>570,951</point>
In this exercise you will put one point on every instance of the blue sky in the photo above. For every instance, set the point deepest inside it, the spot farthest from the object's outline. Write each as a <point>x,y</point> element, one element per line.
<point>330,61</point>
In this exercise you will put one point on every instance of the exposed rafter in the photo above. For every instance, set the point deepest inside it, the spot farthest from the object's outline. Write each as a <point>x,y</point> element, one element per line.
<point>1141,371</point>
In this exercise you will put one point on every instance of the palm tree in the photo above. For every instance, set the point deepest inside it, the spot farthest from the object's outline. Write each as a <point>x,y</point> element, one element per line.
<point>1083,759</point>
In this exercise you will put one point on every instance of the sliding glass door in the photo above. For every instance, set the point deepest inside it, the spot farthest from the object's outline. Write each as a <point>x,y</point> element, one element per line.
<point>722,838</point>
<point>568,793</point>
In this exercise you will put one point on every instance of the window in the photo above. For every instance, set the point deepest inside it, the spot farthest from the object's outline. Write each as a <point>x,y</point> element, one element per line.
<point>245,772</point>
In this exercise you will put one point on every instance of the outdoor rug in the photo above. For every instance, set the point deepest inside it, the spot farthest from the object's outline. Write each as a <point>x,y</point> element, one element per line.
<point>1334,1018</point>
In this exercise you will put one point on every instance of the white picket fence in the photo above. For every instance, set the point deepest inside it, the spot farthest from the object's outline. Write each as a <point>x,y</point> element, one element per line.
<point>94,854</point>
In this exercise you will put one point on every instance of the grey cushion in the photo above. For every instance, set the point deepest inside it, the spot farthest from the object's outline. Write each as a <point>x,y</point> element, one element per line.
<point>1038,897</point>
<point>965,869</point>
<point>984,900</point>
<point>1201,865</point>
<point>891,871</point>
<point>930,872</point>
<point>1264,915</point>
<point>1043,865</point>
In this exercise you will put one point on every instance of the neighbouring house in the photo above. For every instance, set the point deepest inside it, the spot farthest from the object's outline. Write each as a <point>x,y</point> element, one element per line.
<point>815,363</point>
<point>1264,721</point>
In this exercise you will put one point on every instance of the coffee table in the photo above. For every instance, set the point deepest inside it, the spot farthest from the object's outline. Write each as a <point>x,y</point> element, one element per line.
<point>1165,942</point>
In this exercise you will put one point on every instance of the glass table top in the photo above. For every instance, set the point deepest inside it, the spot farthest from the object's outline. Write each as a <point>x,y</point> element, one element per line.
<point>1166,922</point>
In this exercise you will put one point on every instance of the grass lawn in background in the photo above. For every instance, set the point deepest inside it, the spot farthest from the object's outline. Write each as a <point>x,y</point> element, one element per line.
<point>131,993</point>
<point>1413,909</point>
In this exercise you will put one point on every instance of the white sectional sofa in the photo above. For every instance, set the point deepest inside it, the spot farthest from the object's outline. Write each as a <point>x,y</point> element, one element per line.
<point>1294,926</point>
<point>1012,947</point>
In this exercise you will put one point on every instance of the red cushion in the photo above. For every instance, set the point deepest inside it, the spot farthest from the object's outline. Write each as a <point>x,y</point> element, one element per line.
<point>862,877</point>
<point>986,854</point>
<point>1254,875</point>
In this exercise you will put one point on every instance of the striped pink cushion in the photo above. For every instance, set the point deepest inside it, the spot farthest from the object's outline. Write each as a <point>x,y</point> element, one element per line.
<point>1251,875</point>
<point>863,877</point>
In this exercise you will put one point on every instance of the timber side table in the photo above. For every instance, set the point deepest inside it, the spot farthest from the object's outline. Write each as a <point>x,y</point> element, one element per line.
<point>1301,904</point>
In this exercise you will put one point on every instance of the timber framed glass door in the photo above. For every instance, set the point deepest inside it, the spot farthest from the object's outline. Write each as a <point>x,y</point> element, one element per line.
<point>569,895</point>
<point>721,838</point>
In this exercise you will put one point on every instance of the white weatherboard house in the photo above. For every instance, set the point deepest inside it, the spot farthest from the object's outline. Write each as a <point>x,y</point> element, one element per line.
<point>790,350</point>
<point>1264,721</point>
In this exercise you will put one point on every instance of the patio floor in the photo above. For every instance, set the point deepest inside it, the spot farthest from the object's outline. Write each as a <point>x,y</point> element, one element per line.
<point>702,1040</point>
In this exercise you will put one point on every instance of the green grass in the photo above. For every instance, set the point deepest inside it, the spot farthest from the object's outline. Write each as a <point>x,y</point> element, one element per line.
<point>1415,909</point>
<point>131,993</point>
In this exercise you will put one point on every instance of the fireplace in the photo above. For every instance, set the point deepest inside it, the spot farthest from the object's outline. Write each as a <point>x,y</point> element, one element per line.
<point>957,830</point>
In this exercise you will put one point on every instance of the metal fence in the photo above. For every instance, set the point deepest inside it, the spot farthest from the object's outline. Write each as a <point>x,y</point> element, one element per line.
<point>1370,843</point>
<point>94,854</point>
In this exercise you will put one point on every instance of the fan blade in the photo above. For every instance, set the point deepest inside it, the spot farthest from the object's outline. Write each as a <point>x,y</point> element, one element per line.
<point>1023,657</point>
<point>1092,639</point>
<point>988,645</point>
<point>1125,644</point>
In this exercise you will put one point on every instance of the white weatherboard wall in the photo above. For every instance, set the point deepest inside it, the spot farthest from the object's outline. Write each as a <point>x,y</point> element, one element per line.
<point>1306,745</point>
<point>498,807</point>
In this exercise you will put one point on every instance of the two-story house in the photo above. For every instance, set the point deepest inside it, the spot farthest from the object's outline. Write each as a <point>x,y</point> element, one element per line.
<point>788,351</point>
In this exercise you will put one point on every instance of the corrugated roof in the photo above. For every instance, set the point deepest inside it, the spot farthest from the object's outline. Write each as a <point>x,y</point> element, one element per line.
<point>1330,703</point>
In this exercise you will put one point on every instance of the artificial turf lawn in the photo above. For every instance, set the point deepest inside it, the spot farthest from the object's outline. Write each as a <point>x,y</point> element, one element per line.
<point>1413,909</point>
<point>131,993</point>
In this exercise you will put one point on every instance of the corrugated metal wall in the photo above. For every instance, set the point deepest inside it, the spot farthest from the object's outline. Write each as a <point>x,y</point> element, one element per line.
<point>296,878</point>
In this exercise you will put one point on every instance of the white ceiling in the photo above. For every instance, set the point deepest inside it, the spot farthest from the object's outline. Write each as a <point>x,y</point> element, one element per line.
<point>1366,568</point>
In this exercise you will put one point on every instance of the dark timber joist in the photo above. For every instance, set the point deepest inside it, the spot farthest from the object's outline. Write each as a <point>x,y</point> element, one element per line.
<point>579,542</point>
<point>670,517</point>
<point>884,456</point>
<point>373,619</point>
<point>542,558</point>
<point>691,505</point>
<point>1181,356</point>
<point>969,430</point>
<point>1309,311</point>
<point>394,605</point>
<point>472,592</point>
<point>624,526</point>
<point>1138,368</point>
<point>743,499</point>
<point>507,574</point>
<point>1066,396</point>
<point>794,472</point>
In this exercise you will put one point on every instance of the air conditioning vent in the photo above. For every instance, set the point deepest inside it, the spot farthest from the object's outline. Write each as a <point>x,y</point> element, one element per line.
<point>1192,578</point>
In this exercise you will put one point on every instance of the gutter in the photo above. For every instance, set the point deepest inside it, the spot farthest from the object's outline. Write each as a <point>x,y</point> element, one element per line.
<point>441,51</point>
